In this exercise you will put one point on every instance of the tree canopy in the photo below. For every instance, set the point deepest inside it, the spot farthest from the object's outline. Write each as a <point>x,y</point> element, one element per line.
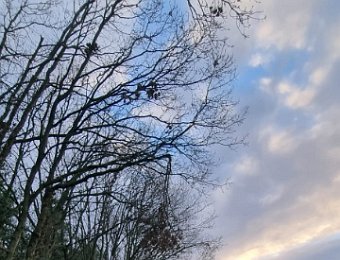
<point>107,112</point>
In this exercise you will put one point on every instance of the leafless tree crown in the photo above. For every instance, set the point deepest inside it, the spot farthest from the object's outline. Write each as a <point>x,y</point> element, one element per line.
<point>107,112</point>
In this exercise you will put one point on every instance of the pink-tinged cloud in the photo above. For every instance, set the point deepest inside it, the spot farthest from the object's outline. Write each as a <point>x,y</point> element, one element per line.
<point>284,201</point>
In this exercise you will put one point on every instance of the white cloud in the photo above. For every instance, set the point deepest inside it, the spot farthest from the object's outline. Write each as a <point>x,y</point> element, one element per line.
<point>293,199</point>
<point>272,197</point>
<point>247,165</point>
<point>326,126</point>
<point>278,141</point>
<point>295,97</point>
<point>333,43</point>
<point>319,75</point>
<point>271,236</point>
<point>266,85</point>
<point>286,25</point>
<point>258,59</point>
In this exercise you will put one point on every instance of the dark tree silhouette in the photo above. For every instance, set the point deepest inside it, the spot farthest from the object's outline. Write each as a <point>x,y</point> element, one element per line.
<point>107,112</point>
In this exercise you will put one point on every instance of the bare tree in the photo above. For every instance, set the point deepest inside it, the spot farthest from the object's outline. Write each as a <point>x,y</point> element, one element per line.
<point>105,106</point>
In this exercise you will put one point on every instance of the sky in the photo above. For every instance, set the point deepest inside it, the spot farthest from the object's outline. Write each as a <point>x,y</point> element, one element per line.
<point>283,201</point>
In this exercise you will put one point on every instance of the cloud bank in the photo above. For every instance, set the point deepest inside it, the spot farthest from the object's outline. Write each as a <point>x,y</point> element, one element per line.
<point>284,201</point>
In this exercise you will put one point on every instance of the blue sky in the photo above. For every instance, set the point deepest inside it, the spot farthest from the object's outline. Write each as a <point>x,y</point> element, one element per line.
<point>284,200</point>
